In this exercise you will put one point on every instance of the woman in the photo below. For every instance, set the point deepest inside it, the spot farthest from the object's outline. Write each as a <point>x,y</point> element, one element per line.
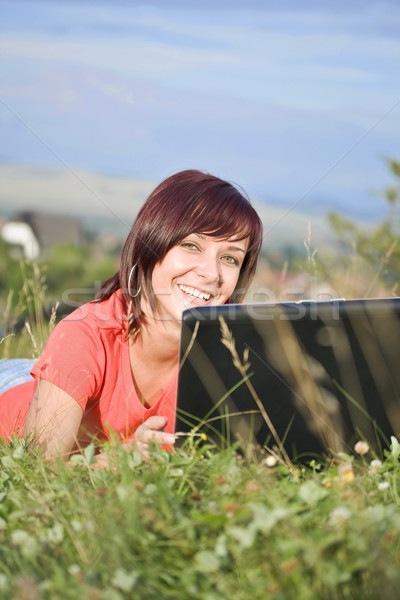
<point>112,365</point>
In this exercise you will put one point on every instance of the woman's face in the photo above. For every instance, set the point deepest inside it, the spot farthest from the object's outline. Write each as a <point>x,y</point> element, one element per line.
<point>199,271</point>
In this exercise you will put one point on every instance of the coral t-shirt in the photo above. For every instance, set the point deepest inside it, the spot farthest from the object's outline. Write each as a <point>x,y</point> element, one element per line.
<point>87,356</point>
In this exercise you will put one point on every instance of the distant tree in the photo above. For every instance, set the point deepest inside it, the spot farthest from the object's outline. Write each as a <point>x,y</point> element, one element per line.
<point>67,276</point>
<point>380,245</point>
<point>72,273</point>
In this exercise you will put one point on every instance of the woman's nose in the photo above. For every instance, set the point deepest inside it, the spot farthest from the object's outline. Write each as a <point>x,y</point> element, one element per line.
<point>208,268</point>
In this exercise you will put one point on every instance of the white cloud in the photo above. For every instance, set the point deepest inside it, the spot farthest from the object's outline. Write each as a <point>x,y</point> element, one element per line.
<point>135,58</point>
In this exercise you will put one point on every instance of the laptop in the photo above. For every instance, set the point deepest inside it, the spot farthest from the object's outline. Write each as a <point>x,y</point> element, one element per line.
<point>310,378</point>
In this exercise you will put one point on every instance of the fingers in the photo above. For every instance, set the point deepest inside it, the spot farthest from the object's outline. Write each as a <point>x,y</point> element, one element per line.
<point>151,431</point>
<point>145,435</point>
<point>156,422</point>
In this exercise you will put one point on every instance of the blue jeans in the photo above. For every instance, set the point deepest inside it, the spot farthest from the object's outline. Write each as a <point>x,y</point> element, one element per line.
<point>15,371</point>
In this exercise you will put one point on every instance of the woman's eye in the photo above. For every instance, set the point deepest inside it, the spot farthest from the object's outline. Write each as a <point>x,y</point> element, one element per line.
<point>231,260</point>
<point>189,245</point>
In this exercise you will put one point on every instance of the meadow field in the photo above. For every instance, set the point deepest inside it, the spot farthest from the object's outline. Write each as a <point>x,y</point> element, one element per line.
<point>198,524</point>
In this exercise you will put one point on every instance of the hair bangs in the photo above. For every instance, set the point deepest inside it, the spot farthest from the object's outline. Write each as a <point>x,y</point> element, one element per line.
<point>221,216</point>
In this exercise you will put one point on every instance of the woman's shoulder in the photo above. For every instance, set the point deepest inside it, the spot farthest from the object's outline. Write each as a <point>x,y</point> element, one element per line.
<point>77,339</point>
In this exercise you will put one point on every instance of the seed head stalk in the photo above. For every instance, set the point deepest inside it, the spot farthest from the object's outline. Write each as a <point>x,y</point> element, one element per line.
<point>243,366</point>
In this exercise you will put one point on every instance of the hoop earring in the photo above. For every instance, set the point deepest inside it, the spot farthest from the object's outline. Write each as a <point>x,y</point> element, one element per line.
<point>129,283</point>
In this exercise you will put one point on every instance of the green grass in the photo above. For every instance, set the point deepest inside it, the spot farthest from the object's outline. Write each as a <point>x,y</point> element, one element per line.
<point>198,524</point>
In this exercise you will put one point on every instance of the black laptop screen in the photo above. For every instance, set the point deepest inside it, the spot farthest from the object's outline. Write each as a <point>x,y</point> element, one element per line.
<point>327,374</point>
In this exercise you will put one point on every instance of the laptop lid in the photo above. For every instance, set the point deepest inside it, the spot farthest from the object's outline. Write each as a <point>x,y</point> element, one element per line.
<point>320,375</point>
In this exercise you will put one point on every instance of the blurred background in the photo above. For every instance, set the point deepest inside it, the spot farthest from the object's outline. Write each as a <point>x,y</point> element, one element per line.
<point>296,102</point>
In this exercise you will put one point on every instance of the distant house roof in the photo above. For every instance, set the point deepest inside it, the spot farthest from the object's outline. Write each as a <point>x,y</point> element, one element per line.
<point>51,230</point>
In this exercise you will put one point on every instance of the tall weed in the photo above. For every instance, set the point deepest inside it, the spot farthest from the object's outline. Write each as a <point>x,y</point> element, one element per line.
<point>28,323</point>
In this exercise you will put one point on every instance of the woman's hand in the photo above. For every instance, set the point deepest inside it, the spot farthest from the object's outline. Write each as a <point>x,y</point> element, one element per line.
<point>151,431</point>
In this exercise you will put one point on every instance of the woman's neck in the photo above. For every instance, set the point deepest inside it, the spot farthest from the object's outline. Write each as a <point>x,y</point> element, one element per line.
<point>154,359</point>
<point>157,344</point>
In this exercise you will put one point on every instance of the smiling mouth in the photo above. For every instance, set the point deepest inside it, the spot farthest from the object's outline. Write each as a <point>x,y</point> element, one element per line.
<point>194,292</point>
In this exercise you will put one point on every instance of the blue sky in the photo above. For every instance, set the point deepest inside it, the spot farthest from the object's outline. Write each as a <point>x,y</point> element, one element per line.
<point>298,102</point>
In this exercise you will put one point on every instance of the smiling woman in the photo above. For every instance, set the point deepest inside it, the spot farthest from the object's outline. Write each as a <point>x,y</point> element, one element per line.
<point>112,365</point>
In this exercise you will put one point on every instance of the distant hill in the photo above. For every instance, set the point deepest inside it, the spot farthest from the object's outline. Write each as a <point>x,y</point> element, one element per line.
<point>110,204</point>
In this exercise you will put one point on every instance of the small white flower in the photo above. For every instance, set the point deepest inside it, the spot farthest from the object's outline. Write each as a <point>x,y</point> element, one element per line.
<point>361,448</point>
<point>25,541</point>
<point>339,515</point>
<point>383,485</point>
<point>18,452</point>
<point>19,537</point>
<point>54,535</point>
<point>74,569</point>
<point>270,461</point>
<point>124,580</point>
<point>375,466</point>
<point>76,525</point>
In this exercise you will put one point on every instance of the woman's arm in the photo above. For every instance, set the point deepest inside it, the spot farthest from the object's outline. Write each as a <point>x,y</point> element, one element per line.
<point>53,420</point>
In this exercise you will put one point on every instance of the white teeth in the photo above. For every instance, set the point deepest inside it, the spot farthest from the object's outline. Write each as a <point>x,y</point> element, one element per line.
<point>193,292</point>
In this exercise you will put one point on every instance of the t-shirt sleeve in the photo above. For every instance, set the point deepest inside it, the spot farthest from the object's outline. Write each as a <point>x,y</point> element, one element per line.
<point>73,359</point>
